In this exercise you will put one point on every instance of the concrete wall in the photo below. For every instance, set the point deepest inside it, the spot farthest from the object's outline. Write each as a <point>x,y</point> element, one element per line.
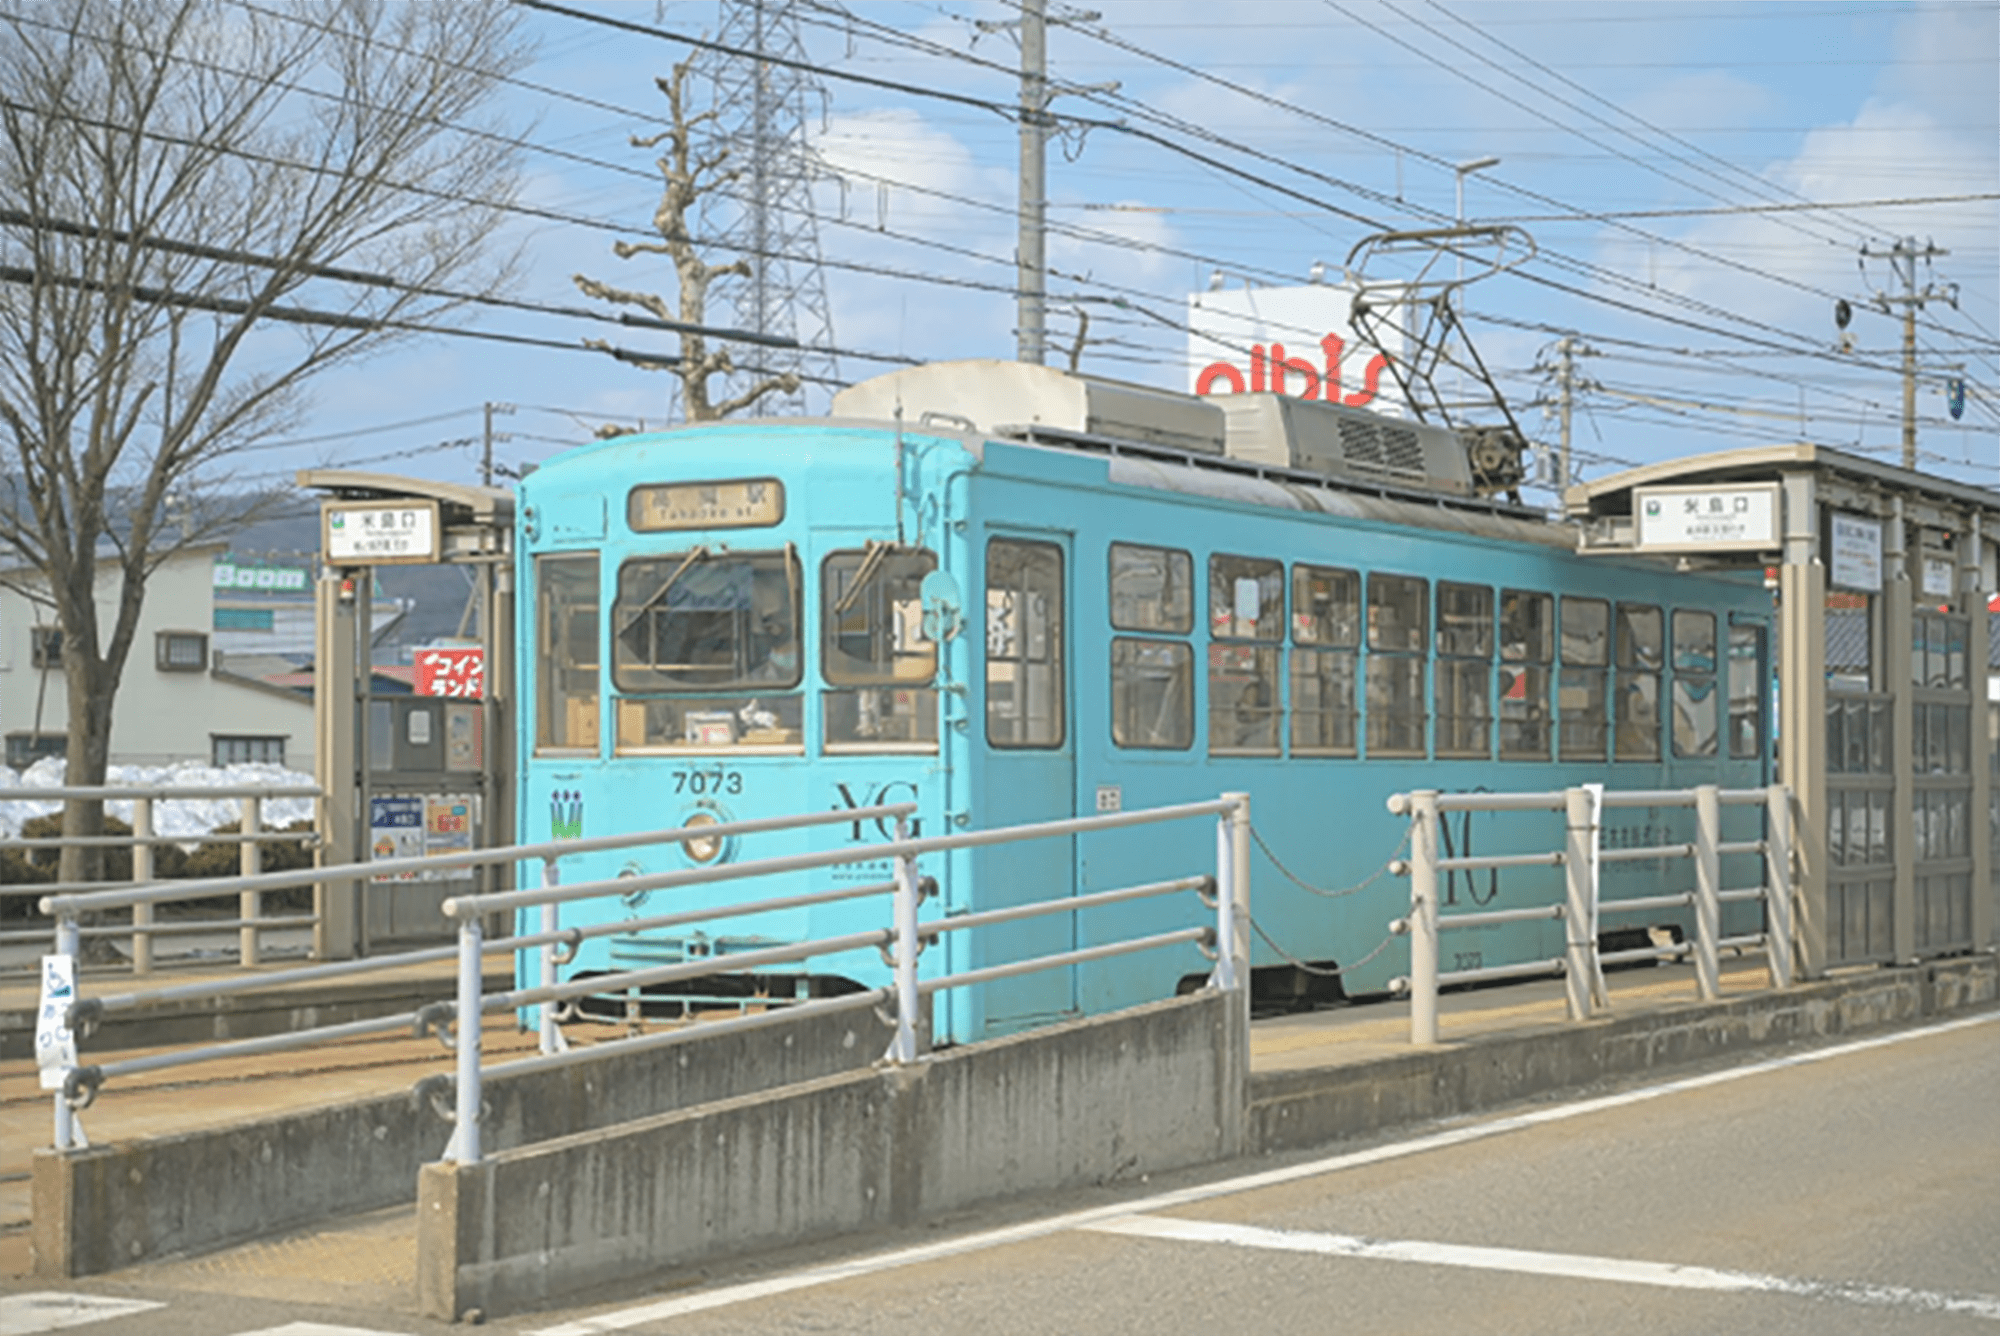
<point>110,1206</point>
<point>1296,1110</point>
<point>1154,1088</point>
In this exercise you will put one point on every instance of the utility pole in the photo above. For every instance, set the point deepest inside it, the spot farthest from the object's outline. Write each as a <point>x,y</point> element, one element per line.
<point>1902,258</point>
<point>1032,336</point>
<point>1568,348</point>
<point>1031,251</point>
<point>1565,376</point>
<point>486,457</point>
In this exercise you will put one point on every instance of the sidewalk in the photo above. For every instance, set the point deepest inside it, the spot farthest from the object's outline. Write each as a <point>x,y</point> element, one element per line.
<point>364,1254</point>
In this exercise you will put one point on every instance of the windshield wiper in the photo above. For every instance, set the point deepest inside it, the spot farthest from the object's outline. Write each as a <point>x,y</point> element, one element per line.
<point>872,557</point>
<point>699,554</point>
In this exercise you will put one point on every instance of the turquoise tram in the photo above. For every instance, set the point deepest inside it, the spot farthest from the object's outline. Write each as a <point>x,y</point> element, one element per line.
<point>1010,594</point>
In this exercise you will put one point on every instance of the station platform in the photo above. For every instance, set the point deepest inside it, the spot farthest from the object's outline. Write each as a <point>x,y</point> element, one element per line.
<point>364,1257</point>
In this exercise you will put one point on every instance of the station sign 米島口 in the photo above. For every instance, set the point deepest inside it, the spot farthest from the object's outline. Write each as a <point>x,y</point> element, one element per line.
<point>369,533</point>
<point>1742,518</point>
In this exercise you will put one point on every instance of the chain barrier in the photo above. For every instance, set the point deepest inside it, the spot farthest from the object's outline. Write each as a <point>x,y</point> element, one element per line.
<point>1319,970</point>
<point>1327,892</point>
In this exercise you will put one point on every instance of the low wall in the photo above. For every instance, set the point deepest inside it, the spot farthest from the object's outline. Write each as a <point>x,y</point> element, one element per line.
<point>114,1205</point>
<point>1298,1110</point>
<point>1155,1088</point>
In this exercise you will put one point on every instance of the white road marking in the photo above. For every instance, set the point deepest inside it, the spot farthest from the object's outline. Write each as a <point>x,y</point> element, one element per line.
<point>1573,1266</point>
<point>624,1319</point>
<point>49,1310</point>
<point>317,1329</point>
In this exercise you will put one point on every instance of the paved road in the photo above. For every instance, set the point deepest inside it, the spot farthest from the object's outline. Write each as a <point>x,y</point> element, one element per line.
<point>1852,1190</point>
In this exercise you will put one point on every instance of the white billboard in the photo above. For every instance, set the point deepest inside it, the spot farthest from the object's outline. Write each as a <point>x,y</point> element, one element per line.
<point>1297,341</point>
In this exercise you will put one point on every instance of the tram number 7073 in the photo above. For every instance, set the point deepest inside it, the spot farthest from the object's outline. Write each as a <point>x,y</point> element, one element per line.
<point>703,782</point>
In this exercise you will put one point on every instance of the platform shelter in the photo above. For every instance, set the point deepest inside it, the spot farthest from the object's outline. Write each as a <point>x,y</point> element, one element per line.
<point>1888,712</point>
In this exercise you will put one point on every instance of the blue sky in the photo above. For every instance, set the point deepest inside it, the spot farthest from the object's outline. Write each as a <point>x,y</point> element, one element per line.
<point>1632,137</point>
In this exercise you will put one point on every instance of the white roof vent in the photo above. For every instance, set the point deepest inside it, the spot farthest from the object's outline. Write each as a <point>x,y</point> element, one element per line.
<point>1340,442</point>
<point>997,397</point>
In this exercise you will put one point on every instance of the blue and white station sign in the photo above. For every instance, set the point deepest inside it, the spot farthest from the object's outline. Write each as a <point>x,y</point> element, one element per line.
<point>1742,518</point>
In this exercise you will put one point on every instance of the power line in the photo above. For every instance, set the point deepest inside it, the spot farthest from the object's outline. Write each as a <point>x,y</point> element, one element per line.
<point>1761,187</point>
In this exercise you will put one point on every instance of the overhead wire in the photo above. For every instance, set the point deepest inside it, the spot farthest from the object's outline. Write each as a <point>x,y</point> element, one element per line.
<point>1007,109</point>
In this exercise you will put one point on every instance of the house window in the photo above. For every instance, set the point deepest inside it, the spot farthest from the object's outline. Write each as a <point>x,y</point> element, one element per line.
<point>24,749</point>
<point>180,651</point>
<point>45,646</point>
<point>238,749</point>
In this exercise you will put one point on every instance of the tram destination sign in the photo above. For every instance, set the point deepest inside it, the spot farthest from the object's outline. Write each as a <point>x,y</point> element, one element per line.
<point>1743,518</point>
<point>745,503</point>
<point>375,533</point>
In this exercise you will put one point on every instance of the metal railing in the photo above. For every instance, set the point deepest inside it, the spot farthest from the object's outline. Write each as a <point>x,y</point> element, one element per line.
<point>457,1022</point>
<point>251,837</point>
<point>1581,859</point>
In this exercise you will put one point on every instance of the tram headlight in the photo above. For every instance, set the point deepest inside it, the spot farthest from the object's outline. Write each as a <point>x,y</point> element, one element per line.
<point>701,848</point>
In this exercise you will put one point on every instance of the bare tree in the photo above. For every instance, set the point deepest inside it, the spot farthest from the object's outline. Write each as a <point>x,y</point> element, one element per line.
<point>203,205</point>
<point>690,172</point>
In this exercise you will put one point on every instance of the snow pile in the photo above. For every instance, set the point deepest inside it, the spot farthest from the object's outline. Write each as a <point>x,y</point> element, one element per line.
<point>187,817</point>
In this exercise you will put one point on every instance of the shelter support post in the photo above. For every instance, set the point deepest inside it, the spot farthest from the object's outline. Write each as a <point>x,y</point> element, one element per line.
<point>1895,664</point>
<point>1802,714</point>
<point>1973,591</point>
<point>1778,884</point>
<point>335,904</point>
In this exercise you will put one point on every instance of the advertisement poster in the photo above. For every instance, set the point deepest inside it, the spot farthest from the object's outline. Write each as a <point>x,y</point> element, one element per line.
<point>395,830</point>
<point>457,671</point>
<point>448,829</point>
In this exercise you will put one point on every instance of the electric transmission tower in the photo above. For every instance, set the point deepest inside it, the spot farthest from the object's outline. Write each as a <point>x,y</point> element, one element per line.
<point>766,214</point>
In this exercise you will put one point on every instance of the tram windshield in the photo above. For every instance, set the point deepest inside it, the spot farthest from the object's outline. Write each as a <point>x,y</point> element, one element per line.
<point>708,622</point>
<point>875,652</point>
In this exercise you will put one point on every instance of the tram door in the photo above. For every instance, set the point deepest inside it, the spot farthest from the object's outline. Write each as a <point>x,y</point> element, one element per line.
<point>1028,773</point>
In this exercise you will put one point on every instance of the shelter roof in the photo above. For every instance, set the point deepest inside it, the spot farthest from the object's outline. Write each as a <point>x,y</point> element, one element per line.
<point>1847,479</point>
<point>460,501</point>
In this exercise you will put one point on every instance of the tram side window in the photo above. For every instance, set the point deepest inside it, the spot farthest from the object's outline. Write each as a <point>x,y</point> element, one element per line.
<point>1246,622</point>
<point>1024,644</point>
<point>1527,644</point>
<point>566,650</point>
<point>1398,635</point>
<point>1152,681</point>
<point>874,651</point>
<point>1464,671</point>
<point>1746,692</point>
<point>1152,589</point>
<point>1586,644</point>
<point>1695,724</point>
<point>716,636</point>
<point>1326,635</point>
<point>1152,693</point>
<point>1639,660</point>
